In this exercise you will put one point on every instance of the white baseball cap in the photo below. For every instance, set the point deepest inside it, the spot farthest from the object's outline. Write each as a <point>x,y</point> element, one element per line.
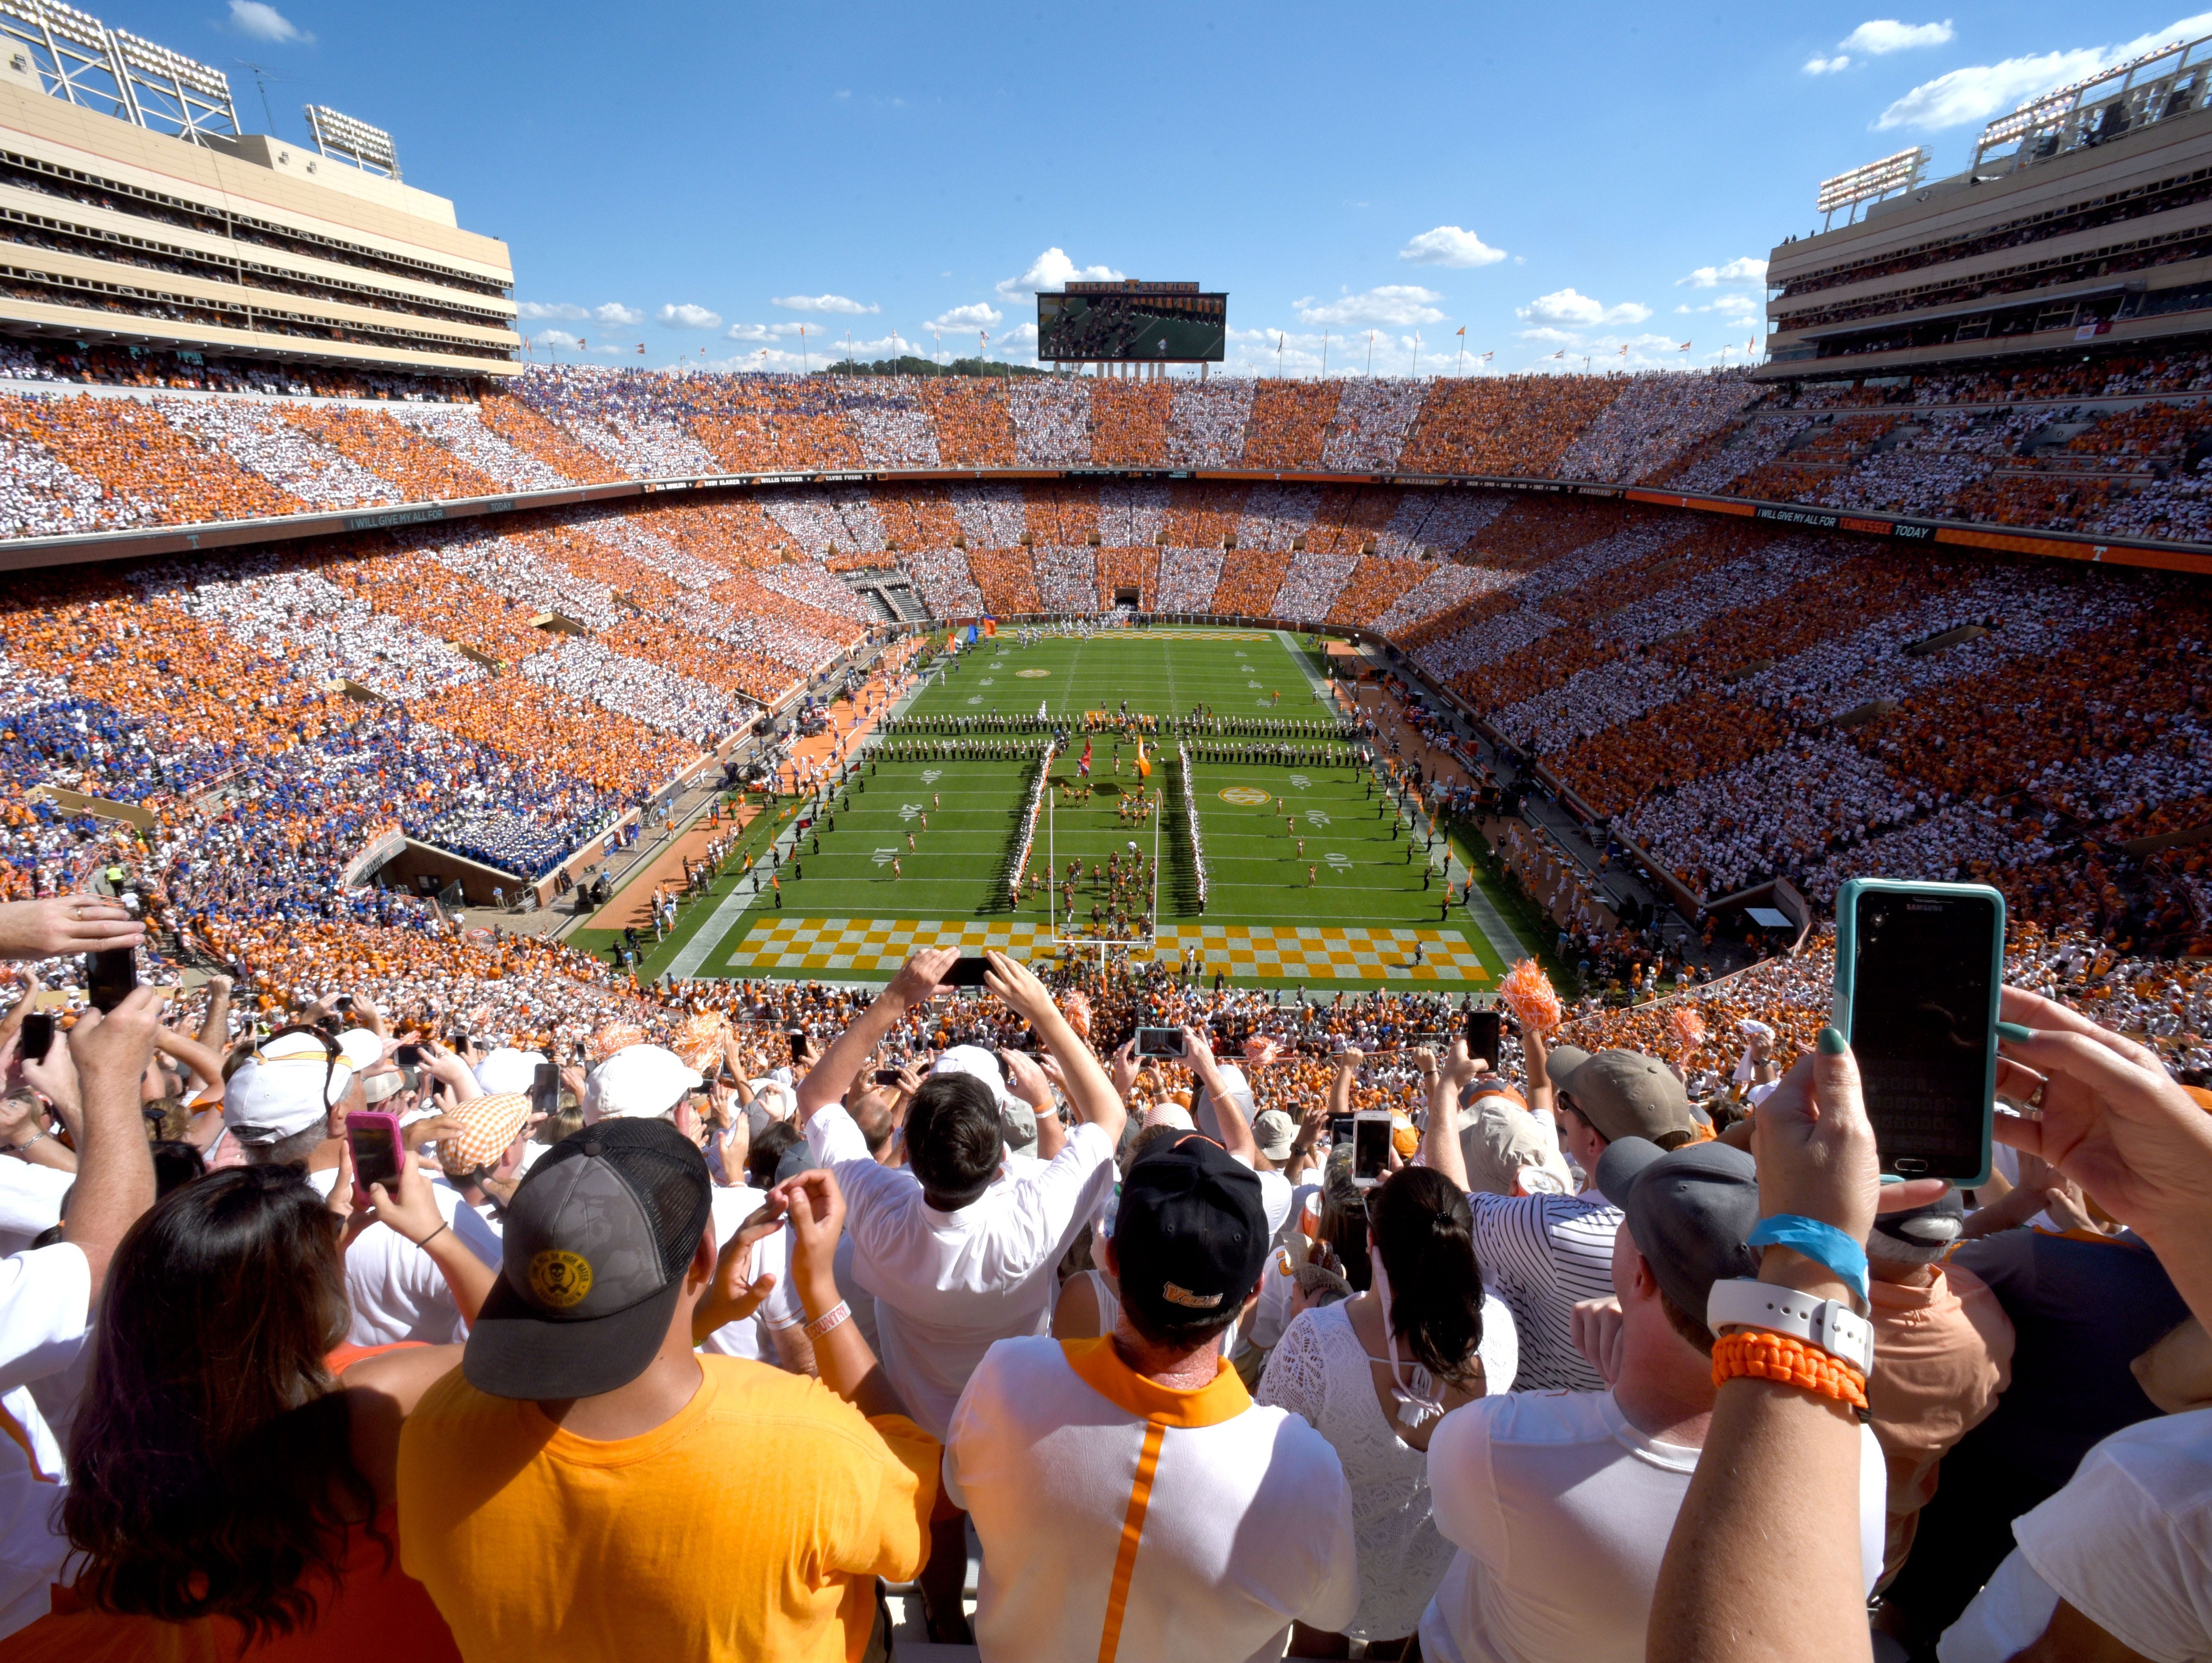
<point>287,1086</point>
<point>978,1064</point>
<point>360,1048</point>
<point>1275,1132</point>
<point>639,1082</point>
<point>508,1069</point>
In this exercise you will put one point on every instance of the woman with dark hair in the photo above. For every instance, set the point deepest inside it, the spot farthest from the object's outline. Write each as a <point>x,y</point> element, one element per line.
<point>232,1470</point>
<point>1375,1373</point>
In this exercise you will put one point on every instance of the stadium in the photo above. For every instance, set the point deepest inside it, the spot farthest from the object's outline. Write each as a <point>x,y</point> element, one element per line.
<point>562,709</point>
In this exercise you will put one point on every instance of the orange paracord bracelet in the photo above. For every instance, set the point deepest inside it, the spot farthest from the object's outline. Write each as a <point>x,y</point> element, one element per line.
<point>1758,1355</point>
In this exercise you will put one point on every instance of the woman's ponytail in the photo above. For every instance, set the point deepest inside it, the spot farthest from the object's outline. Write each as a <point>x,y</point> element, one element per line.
<point>1425,1230</point>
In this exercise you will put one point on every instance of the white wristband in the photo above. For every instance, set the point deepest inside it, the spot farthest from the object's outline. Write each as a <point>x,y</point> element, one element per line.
<point>1829,1324</point>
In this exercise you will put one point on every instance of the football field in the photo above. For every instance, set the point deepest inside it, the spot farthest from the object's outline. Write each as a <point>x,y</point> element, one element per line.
<point>1310,880</point>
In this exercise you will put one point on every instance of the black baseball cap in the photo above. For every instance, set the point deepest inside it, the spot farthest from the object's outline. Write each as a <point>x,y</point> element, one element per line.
<point>596,1243</point>
<point>1919,1235</point>
<point>1688,1213</point>
<point>1190,1233</point>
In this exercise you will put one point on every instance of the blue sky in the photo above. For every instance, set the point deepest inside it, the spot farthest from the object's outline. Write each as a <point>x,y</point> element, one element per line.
<point>703,181</point>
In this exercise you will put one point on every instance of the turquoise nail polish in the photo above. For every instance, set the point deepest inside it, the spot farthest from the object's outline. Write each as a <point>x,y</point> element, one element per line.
<point>1831,1041</point>
<point>2014,1032</point>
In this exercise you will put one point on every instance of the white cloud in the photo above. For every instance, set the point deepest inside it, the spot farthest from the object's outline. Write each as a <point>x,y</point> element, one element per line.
<point>1883,35</point>
<point>611,312</point>
<point>976,315</point>
<point>687,316</point>
<point>768,358</point>
<point>1744,269</point>
<point>561,337</point>
<point>1397,306</point>
<point>1818,65</point>
<point>763,331</point>
<point>836,303</point>
<point>1550,336</point>
<point>1566,306</point>
<point>1983,90</point>
<point>1054,270</point>
<point>265,23</point>
<point>1448,244</point>
<point>1729,307</point>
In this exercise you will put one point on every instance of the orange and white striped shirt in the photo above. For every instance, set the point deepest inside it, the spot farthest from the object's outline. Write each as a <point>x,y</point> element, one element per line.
<point>1123,1518</point>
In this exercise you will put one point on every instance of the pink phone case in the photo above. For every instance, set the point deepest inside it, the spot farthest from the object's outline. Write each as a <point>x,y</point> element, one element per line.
<point>363,1127</point>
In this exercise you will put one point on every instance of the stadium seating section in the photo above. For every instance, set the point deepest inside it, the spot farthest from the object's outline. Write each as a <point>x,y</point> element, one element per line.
<point>1741,700</point>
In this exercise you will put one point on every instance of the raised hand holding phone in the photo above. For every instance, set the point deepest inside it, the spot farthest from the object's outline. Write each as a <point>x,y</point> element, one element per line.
<point>379,1157</point>
<point>1918,967</point>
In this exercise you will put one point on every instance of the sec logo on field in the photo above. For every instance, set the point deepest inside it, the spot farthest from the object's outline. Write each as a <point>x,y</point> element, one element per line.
<point>1032,675</point>
<point>1246,796</point>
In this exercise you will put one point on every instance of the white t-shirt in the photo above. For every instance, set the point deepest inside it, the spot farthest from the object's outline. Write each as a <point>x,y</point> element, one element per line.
<point>2127,1543</point>
<point>397,1290</point>
<point>1244,1527</point>
<point>45,1303</point>
<point>30,1202</point>
<point>948,1284</point>
<point>1561,1511</point>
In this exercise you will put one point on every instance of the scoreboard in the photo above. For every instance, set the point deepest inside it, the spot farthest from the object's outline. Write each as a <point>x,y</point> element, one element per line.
<point>1132,322</point>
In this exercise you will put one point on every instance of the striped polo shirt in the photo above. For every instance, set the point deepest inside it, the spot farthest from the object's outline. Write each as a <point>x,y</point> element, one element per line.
<point>1540,1254</point>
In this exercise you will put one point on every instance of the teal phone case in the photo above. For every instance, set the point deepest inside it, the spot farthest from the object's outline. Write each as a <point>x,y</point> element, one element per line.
<point>1847,910</point>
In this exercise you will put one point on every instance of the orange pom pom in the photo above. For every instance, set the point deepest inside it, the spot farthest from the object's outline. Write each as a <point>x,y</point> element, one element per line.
<point>1528,994</point>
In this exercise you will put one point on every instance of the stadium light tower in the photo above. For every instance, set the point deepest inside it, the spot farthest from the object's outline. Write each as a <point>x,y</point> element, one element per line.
<point>1324,354</point>
<point>369,148</point>
<point>1871,182</point>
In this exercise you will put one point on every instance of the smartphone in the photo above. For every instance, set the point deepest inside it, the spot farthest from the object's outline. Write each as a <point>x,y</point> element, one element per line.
<point>1340,1131</point>
<point>546,1089</point>
<point>1482,1034</point>
<point>110,976</point>
<point>966,972</point>
<point>1160,1042</point>
<point>1918,970</point>
<point>797,1039</point>
<point>460,1042</point>
<point>1370,1146</point>
<point>38,1036</point>
<point>409,1056</point>
<point>887,1076</point>
<point>377,1151</point>
<point>344,1003</point>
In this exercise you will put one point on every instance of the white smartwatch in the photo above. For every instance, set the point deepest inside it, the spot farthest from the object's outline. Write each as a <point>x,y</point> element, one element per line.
<point>1829,1324</point>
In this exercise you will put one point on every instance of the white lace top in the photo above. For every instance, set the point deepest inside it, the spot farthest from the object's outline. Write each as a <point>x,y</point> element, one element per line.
<point>1320,1370</point>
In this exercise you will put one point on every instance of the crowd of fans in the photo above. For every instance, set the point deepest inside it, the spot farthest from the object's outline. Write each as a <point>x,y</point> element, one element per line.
<point>1743,705</point>
<point>2111,447</point>
<point>972,1268</point>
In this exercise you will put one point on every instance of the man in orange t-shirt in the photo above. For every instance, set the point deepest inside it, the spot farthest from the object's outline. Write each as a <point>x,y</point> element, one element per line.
<point>587,1486</point>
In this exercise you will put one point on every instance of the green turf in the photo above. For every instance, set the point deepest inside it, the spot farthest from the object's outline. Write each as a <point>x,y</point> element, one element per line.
<point>1361,875</point>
